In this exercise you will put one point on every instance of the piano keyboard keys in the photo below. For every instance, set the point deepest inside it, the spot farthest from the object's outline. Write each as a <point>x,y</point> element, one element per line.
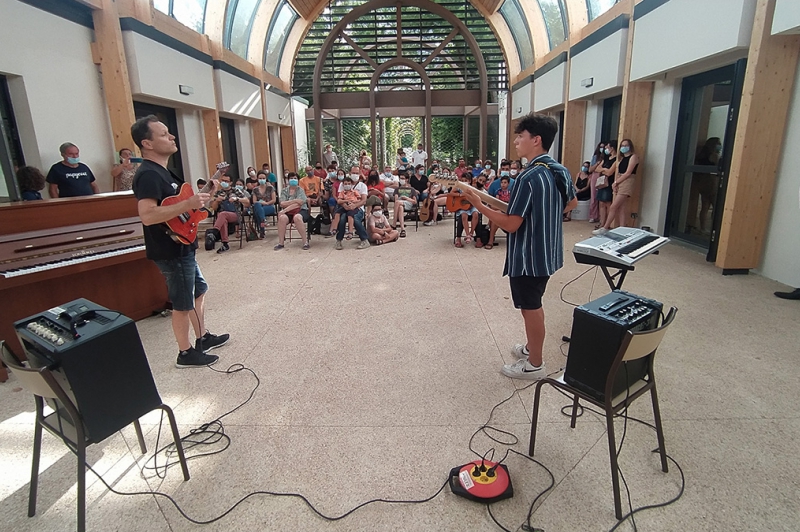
<point>69,262</point>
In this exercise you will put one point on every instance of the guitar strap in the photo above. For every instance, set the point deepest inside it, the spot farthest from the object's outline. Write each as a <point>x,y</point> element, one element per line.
<point>562,188</point>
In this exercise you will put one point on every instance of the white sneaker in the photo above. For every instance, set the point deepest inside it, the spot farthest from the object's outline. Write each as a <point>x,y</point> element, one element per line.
<point>519,351</point>
<point>600,232</point>
<point>522,369</point>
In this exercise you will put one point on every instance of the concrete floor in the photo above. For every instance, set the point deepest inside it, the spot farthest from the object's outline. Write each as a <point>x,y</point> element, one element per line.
<point>377,366</point>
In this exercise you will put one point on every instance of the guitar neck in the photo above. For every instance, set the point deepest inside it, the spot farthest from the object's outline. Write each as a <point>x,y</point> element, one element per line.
<point>486,198</point>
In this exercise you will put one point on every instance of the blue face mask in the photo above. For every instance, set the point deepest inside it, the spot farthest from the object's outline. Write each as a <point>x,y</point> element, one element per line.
<point>262,181</point>
<point>505,172</point>
<point>239,187</point>
<point>293,182</point>
<point>73,160</point>
<point>488,166</point>
<point>624,149</point>
<point>607,151</point>
<point>584,169</point>
<point>477,165</point>
<point>331,174</point>
<point>224,184</point>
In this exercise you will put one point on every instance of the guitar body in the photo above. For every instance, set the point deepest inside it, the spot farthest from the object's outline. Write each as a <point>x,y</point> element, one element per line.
<point>427,209</point>
<point>457,202</point>
<point>183,228</point>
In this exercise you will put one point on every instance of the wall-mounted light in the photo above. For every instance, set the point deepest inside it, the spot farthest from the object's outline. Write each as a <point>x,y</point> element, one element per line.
<point>185,89</point>
<point>280,116</point>
<point>588,82</point>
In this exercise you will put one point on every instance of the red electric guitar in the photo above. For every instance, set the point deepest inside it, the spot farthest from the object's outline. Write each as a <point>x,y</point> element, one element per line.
<point>183,228</point>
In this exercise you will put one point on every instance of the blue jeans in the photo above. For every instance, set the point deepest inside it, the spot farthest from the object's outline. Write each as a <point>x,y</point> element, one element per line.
<point>262,211</point>
<point>358,221</point>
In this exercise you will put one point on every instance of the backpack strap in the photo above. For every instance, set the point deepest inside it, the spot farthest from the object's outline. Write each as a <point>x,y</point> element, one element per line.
<point>562,189</point>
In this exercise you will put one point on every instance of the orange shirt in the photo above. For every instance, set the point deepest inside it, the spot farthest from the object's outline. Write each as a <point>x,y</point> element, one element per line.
<point>311,185</point>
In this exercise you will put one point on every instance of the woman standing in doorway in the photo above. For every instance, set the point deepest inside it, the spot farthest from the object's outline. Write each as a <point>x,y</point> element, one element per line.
<point>595,165</point>
<point>605,182</point>
<point>622,186</point>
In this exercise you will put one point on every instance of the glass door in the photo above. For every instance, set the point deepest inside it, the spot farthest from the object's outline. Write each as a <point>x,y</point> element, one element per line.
<point>706,130</point>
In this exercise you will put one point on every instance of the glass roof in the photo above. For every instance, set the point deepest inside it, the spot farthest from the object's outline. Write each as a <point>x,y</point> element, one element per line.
<point>345,70</point>
<point>515,18</point>
<point>598,7</point>
<point>279,29</point>
<point>190,13</point>
<point>238,24</point>
<point>555,20</point>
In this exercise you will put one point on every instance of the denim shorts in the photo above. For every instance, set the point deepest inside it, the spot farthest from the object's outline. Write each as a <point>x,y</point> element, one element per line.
<point>185,282</point>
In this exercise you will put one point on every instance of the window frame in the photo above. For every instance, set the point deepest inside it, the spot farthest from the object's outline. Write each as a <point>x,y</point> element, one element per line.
<point>230,16</point>
<point>564,22</point>
<point>521,14</point>
<point>271,28</point>
<point>171,14</point>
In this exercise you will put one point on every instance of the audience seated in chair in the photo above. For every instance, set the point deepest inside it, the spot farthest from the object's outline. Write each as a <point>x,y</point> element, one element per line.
<point>390,183</point>
<point>312,186</point>
<point>333,203</point>
<point>263,201</point>
<point>378,227</point>
<point>294,209</point>
<point>465,218</point>
<point>228,203</point>
<point>503,194</point>
<point>351,200</point>
<point>376,188</point>
<point>405,200</point>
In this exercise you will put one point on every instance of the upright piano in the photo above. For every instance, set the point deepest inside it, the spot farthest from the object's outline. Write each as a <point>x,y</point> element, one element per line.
<point>58,250</point>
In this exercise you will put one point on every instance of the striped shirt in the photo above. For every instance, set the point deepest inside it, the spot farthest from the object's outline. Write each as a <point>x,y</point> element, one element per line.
<point>536,249</point>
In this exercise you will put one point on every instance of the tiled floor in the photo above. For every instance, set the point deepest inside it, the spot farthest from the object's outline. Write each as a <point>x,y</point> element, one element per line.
<point>377,366</point>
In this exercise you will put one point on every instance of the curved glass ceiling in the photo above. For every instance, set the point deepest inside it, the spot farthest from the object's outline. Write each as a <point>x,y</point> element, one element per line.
<point>598,7</point>
<point>190,13</point>
<point>515,18</point>
<point>238,24</point>
<point>555,20</point>
<point>345,70</point>
<point>279,28</point>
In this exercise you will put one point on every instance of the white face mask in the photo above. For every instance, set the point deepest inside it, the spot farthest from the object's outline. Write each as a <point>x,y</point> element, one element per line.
<point>513,171</point>
<point>402,181</point>
<point>252,173</point>
<point>377,214</point>
<point>347,187</point>
<point>387,174</point>
<point>355,177</point>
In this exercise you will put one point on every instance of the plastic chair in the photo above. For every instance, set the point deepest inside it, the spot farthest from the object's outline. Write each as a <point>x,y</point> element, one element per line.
<point>66,424</point>
<point>635,346</point>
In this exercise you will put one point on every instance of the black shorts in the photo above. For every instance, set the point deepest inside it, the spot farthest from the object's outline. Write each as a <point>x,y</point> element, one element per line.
<point>527,292</point>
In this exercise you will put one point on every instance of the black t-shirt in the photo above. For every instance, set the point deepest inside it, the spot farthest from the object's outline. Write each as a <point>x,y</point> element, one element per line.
<point>71,181</point>
<point>153,181</point>
<point>419,183</point>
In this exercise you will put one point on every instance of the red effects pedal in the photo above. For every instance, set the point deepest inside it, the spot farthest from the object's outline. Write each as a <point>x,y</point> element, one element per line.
<point>481,481</point>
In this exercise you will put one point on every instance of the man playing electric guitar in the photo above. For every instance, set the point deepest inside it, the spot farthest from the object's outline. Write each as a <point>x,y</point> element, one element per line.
<point>153,183</point>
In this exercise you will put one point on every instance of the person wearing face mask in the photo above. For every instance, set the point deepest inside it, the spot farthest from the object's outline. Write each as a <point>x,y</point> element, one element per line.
<point>251,181</point>
<point>336,186</point>
<point>263,201</point>
<point>351,199</point>
<point>69,177</point>
<point>582,189</point>
<point>390,182</point>
<point>505,171</point>
<point>419,157</point>
<point>420,182</point>
<point>228,203</point>
<point>376,188</point>
<point>623,186</point>
<point>608,170</point>
<point>378,228</point>
<point>312,186</point>
<point>406,197</point>
<point>328,156</point>
<point>488,168</point>
<point>477,168</point>
<point>595,165</point>
<point>270,176</point>
<point>294,207</point>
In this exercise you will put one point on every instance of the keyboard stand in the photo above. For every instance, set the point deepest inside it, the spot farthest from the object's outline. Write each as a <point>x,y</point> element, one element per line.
<point>620,275</point>
<point>614,280</point>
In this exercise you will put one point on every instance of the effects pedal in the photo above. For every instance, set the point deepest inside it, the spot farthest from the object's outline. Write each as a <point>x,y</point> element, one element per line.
<point>481,481</point>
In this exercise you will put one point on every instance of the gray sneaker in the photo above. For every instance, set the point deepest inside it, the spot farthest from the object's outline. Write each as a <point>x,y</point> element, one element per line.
<point>338,245</point>
<point>363,245</point>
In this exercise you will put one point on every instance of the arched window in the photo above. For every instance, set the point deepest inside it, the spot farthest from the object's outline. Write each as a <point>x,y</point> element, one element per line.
<point>515,18</point>
<point>279,28</point>
<point>191,13</point>
<point>598,7</point>
<point>555,20</point>
<point>238,23</point>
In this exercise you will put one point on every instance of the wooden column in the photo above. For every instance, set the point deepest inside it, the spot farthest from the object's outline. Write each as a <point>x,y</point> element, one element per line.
<point>261,134</point>
<point>634,120</point>
<point>572,138</point>
<point>109,53</point>
<point>288,149</point>
<point>213,136</point>
<point>760,132</point>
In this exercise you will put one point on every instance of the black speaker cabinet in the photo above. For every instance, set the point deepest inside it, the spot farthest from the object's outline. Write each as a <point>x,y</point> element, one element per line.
<point>97,357</point>
<point>598,328</point>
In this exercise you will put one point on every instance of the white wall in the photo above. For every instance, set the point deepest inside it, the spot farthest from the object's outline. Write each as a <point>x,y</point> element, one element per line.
<point>193,145</point>
<point>156,71</point>
<point>237,96</point>
<point>301,133</point>
<point>278,105</point>
<point>604,61</point>
<point>592,128</point>
<point>244,145</point>
<point>787,17</point>
<point>276,154</point>
<point>522,101</point>
<point>680,32</point>
<point>548,89</point>
<point>55,88</point>
<point>658,155</point>
<point>781,260</point>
